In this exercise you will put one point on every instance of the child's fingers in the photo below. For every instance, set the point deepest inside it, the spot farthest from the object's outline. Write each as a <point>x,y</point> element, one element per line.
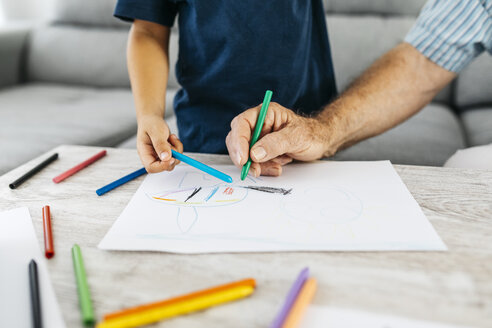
<point>177,145</point>
<point>163,148</point>
<point>149,158</point>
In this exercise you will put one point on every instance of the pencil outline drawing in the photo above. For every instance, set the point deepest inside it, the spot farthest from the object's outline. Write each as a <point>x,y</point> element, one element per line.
<point>213,195</point>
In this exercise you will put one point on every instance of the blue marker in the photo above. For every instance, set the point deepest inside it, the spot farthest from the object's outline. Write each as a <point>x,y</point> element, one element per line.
<point>119,182</point>
<point>201,166</point>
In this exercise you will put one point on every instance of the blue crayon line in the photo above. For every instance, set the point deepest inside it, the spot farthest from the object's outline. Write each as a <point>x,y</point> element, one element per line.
<point>211,194</point>
<point>121,181</point>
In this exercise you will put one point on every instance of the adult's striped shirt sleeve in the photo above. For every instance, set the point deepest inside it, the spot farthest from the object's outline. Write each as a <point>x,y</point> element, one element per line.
<point>453,33</point>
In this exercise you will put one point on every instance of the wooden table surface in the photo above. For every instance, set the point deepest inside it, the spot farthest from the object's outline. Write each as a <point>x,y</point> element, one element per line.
<point>449,287</point>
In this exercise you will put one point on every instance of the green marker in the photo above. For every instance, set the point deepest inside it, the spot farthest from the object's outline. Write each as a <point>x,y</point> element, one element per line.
<point>256,133</point>
<point>88,318</point>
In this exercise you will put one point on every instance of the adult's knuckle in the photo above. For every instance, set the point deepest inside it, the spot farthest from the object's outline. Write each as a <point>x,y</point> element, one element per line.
<point>269,121</point>
<point>234,122</point>
<point>228,140</point>
<point>275,105</point>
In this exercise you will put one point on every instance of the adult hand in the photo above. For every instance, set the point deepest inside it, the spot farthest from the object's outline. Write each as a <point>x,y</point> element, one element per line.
<point>285,136</point>
<point>154,143</point>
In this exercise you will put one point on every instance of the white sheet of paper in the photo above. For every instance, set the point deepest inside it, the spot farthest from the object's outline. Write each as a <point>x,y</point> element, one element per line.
<point>18,246</point>
<point>333,317</point>
<point>333,206</point>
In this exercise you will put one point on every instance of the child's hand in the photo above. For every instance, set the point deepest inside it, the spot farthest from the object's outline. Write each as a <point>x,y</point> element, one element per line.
<point>154,144</point>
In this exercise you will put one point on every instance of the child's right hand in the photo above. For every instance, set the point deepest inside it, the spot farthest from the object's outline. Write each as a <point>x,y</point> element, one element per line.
<point>154,144</point>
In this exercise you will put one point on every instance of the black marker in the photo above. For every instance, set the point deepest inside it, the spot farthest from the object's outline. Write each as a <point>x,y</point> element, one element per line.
<point>33,171</point>
<point>35,299</point>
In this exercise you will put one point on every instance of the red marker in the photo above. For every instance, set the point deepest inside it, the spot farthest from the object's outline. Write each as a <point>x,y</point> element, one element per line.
<point>79,167</point>
<point>48,235</point>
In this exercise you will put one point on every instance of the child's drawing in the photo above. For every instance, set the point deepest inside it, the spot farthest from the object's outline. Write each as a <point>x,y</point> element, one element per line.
<point>328,205</point>
<point>324,205</point>
<point>320,206</point>
<point>189,195</point>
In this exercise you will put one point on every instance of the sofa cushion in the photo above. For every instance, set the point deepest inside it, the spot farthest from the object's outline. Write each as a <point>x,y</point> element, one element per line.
<point>478,125</point>
<point>474,83</point>
<point>73,55</point>
<point>38,117</point>
<point>13,44</point>
<point>428,138</point>
<point>377,7</point>
<point>357,41</point>
<point>87,12</point>
<point>479,157</point>
<point>83,56</point>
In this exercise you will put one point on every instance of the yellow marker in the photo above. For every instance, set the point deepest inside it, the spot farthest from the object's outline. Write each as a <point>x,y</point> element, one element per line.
<point>156,314</point>
<point>302,301</point>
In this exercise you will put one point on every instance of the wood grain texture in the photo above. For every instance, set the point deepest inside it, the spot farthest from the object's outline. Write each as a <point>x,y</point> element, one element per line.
<point>450,287</point>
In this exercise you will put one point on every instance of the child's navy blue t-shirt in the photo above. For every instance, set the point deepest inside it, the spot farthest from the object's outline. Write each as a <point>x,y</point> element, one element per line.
<point>232,51</point>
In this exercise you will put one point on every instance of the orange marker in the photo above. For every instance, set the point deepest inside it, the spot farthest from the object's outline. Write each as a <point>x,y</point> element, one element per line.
<point>186,297</point>
<point>303,299</point>
<point>49,249</point>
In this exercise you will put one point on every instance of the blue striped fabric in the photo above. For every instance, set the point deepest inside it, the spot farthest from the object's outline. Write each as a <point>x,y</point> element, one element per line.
<point>453,32</point>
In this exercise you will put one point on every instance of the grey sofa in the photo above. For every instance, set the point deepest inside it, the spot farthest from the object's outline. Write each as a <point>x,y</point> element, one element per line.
<point>66,83</point>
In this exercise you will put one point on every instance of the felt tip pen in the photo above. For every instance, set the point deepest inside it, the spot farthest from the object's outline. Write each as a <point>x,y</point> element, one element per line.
<point>86,310</point>
<point>300,305</point>
<point>33,171</point>
<point>115,184</point>
<point>180,308</point>
<point>49,249</point>
<point>35,296</point>
<point>257,131</point>
<point>202,167</point>
<point>79,167</point>
<point>290,299</point>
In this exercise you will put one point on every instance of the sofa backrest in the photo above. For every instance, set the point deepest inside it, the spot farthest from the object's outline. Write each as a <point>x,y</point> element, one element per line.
<point>474,84</point>
<point>84,45</point>
<point>88,13</point>
<point>73,54</point>
<point>374,7</point>
<point>87,45</point>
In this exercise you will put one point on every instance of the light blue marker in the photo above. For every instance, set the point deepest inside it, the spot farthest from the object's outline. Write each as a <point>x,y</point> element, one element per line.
<point>201,166</point>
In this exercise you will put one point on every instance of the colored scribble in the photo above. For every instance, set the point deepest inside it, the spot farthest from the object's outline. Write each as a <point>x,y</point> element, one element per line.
<point>188,197</point>
<point>228,191</point>
<point>271,190</point>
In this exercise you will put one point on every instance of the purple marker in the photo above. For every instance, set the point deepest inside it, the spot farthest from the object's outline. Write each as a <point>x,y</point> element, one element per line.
<point>290,299</point>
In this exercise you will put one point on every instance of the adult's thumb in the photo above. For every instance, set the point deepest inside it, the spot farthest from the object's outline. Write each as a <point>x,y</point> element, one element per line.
<point>272,145</point>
